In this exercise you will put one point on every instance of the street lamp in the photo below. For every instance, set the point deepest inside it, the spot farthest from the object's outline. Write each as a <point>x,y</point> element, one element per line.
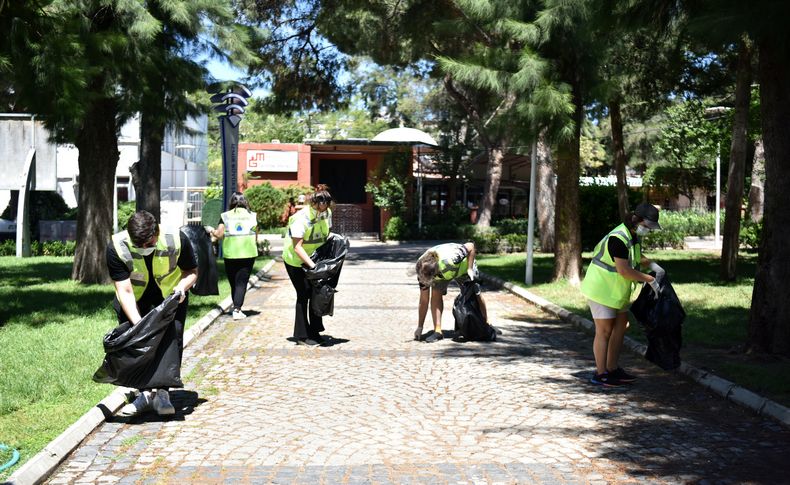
<point>711,114</point>
<point>191,149</point>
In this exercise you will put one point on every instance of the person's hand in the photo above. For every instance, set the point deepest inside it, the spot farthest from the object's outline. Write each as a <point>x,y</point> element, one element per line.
<point>418,334</point>
<point>660,272</point>
<point>471,273</point>
<point>209,230</point>
<point>654,286</point>
<point>181,295</point>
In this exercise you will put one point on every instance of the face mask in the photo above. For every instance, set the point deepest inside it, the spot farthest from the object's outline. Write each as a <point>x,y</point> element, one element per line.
<point>145,251</point>
<point>642,231</point>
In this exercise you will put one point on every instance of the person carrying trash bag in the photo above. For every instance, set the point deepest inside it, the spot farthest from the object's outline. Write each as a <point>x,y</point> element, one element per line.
<point>147,265</point>
<point>435,269</point>
<point>324,276</point>
<point>203,248</point>
<point>308,230</point>
<point>610,280</point>
<point>662,317</point>
<point>238,230</point>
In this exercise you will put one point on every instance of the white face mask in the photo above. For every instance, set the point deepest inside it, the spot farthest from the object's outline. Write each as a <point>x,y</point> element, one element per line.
<point>145,251</point>
<point>642,231</point>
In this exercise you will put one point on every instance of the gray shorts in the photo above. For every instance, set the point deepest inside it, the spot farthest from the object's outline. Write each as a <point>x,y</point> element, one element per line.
<point>603,312</point>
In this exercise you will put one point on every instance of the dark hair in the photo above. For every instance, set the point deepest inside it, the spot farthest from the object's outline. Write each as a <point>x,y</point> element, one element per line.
<point>321,194</point>
<point>142,227</point>
<point>427,268</point>
<point>238,200</point>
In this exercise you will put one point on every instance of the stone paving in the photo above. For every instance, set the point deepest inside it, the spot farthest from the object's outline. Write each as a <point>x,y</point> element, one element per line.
<point>378,407</point>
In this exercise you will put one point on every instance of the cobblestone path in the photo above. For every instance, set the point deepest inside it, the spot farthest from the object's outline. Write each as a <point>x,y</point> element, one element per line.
<point>378,407</point>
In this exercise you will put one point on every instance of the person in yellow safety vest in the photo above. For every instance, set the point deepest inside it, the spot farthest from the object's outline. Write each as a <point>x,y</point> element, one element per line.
<point>610,280</point>
<point>147,264</point>
<point>238,230</point>
<point>307,231</point>
<point>435,269</point>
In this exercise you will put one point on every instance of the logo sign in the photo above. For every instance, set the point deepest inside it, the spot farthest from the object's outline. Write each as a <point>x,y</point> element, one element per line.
<point>272,161</point>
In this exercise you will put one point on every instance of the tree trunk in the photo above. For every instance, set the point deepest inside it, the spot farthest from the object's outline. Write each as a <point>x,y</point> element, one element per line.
<point>491,187</point>
<point>97,142</point>
<point>547,190</point>
<point>735,176</point>
<point>758,183</point>
<point>567,227</point>
<point>769,318</point>
<point>148,179</point>
<point>620,159</point>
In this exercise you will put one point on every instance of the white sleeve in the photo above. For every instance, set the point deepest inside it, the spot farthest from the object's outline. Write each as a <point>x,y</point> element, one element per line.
<point>296,229</point>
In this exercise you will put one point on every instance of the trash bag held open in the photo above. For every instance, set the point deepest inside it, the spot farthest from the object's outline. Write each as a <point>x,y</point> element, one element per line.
<point>662,319</point>
<point>206,283</point>
<point>328,259</point>
<point>469,321</point>
<point>139,356</point>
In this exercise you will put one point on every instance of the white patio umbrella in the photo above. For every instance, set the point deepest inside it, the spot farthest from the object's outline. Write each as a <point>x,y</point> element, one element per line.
<point>412,136</point>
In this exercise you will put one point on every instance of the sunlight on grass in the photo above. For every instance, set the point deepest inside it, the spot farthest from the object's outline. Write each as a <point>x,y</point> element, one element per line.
<point>51,331</point>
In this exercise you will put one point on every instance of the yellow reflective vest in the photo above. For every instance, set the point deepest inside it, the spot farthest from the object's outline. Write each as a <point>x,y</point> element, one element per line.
<point>447,269</point>
<point>239,240</point>
<point>316,230</point>
<point>164,264</point>
<point>602,283</point>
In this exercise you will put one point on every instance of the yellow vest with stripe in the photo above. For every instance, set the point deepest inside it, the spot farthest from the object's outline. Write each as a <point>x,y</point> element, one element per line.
<point>316,230</point>
<point>164,264</point>
<point>447,270</point>
<point>239,241</point>
<point>602,283</point>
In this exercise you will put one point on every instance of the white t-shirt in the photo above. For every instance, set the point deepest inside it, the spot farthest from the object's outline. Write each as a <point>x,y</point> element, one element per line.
<point>305,218</point>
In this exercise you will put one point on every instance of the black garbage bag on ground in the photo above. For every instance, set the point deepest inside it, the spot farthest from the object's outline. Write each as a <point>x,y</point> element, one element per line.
<point>207,263</point>
<point>328,259</point>
<point>469,321</point>
<point>662,319</point>
<point>137,357</point>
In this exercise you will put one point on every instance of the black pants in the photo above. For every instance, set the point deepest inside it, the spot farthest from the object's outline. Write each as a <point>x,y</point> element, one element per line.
<point>303,328</point>
<point>238,271</point>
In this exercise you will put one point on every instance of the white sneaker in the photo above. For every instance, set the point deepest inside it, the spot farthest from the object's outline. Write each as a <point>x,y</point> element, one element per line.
<point>238,315</point>
<point>161,403</point>
<point>140,405</point>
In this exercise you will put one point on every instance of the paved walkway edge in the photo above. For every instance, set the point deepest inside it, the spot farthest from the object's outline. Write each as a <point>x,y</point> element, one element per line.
<point>723,387</point>
<point>40,466</point>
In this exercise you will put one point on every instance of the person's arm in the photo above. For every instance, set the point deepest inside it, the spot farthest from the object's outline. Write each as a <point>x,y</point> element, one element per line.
<point>299,250</point>
<point>188,280</point>
<point>125,294</point>
<point>219,232</point>
<point>470,247</point>
<point>629,273</point>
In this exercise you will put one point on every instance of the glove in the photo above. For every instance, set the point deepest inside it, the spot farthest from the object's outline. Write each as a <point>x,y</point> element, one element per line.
<point>660,272</point>
<point>654,286</point>
<point>181,295</point>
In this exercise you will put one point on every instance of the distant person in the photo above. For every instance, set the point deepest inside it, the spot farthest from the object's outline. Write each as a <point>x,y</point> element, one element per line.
<point>611,277</point>
<point>290,209</point>
<point>300,202</point>
<point>308,230</point>
<point>435,269</point>
<point>146,265</point>
<point>238,230</point>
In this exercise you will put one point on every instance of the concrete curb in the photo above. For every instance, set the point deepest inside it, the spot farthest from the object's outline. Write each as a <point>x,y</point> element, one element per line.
<point>41,465</point>
<point>723,387</point>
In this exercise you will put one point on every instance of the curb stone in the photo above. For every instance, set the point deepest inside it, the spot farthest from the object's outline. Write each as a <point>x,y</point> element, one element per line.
<point>729,390</point>
<point>40,466</point>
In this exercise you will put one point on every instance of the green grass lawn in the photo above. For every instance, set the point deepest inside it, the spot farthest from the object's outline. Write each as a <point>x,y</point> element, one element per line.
<point>717,313</point>
<point>51,331</point>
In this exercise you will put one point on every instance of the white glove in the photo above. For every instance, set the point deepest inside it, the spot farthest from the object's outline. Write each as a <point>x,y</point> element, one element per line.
<point>654,286</point>
<point>660,272</point>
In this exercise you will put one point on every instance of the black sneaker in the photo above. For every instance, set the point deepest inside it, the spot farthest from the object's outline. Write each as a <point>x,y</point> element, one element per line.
<point>621,375</point>
<point>434,337</point>
<point>605,380</point>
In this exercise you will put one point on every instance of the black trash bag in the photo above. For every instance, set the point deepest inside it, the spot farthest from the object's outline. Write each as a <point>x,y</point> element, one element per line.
<point>662,319</point>
<point>469,321</point>
<point>138,356</point>
<point>207,262</point>
<point>324,277</point>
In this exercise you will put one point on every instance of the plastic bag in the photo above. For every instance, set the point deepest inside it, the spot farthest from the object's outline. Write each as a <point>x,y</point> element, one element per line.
<point>145,355</point>
<point>207,263</point>
<point>469,321</point>
<point>324,277</point>
<point>662,319</point>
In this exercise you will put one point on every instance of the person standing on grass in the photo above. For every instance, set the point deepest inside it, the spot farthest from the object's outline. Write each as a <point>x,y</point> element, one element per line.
<point>611,278</point>
<point>238,230</point>
<point>308,230</point>
<point>435,269</point>
<point>147,265</point>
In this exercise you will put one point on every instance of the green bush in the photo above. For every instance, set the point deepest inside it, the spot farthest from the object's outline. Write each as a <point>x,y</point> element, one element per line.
<point>396,229</point>
<point>599,213</point>
<point>486,241</point>
<point>665,238</point>
<point>267,202</point>
<point>125,211</point>
<point>47,248</point>
<point>213,192</point>
<point>513,225</point>
<point>516,242</point>
<point>294,191</point>
<point>751,234</point>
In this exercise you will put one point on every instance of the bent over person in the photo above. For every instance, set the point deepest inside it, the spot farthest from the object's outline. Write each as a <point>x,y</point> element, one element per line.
<point>147,265</point>
<point>435,269</point>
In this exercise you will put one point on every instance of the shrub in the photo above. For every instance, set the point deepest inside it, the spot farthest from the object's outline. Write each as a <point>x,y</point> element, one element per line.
<point>516,242</point>
<point>213,192</point>
<point>125,211</point>
<point>47,248</point>
<point>267,202</point>
<point>396,229</point>
<point>599,212</point>
<point>513,225</point>
<point>751,235</point>
<point>486,241</point>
